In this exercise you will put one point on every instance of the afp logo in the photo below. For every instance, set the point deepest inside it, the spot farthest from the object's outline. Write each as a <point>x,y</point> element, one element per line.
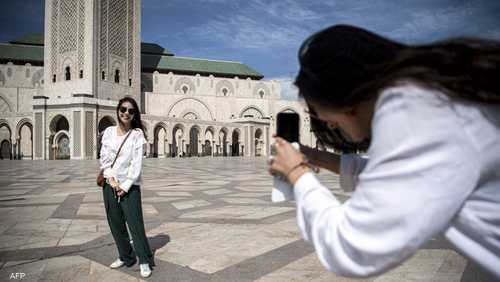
<point>17,275</point>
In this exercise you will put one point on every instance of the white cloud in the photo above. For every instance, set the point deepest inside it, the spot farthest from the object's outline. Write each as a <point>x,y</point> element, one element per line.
<point>259,25</point>
<point>286,9</point>
<point>244,31</point>
<point>423,24</point>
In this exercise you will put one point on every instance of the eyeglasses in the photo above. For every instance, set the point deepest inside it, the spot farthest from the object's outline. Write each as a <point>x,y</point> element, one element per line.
<point>130,111</point>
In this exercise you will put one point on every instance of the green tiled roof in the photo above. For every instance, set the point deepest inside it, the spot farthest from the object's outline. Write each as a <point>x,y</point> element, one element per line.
<point>153,48</point>
<point>201,66</point>
<point>14,52</point>
<point>29,48</point>
<point>29,39</point>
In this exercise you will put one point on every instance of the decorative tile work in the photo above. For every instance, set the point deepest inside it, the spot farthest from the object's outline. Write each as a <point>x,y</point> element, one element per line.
<point>118,28</point>
<point>67,26</point>
<point>38,135</point>
<point>77,133</point>
<point>130,39</point>
<point>54,36</point>
<point>103,46</point>
<point>89,134</point>
<point>81,35</point>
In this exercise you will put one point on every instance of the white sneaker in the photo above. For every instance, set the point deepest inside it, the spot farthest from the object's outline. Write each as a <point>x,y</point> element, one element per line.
<point>117,263</point>
<point>145,270</point>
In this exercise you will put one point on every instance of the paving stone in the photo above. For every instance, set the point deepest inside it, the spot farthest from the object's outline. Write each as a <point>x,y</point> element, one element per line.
<point>207,219</point>
<point>238,200</point>
<point>175,194</point>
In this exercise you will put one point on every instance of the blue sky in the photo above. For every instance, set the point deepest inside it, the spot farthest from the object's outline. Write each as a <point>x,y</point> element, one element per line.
<point>266,34</point>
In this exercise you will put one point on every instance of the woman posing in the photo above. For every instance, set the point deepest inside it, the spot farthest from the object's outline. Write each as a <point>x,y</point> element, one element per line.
<point>122,194</point>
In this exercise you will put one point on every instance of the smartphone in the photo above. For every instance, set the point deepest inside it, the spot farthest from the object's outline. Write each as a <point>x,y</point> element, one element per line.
<point>287,126</point>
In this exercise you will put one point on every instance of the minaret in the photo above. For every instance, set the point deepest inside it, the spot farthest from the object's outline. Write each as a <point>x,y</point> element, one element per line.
<point>91,60</point>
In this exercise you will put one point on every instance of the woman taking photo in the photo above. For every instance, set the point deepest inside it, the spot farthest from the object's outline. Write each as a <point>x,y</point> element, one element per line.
<point>432,115</point>
<point>122,194</point>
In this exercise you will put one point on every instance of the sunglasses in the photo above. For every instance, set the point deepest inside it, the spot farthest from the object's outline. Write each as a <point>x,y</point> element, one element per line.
<point>130,111</point>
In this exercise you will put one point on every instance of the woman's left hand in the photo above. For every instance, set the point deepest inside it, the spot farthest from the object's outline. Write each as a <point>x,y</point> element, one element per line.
<point>120,192</point>
<point>286,160</point>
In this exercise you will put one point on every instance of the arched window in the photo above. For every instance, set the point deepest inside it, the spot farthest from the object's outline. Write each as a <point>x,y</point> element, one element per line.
<point>129,82</point>
<point>117,76</point>
<point>67,74</point>
<point>54,78</point>
<point>103,75</point>
<point>81,73</point>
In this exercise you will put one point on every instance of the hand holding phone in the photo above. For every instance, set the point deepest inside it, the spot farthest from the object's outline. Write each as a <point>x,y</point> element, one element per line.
<point>282,189</point>
<point>287,127</point>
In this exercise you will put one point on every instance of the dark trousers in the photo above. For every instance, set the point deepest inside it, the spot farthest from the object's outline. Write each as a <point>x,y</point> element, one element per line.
<point>128,210</point>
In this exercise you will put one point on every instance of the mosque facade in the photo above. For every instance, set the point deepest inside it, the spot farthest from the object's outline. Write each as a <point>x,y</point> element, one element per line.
<point>59,90</point>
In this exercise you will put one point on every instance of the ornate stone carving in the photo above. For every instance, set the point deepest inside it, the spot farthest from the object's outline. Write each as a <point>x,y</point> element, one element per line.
<point>77,133</point>
<point>261,90</point>
<point>130,39</point>
<point>53,36</point>
<point>118,27</point>
<point>68,26</point>
<point>103,48</point>
<point>224,88</point>
<point>182,83</point>
<point>81,35</point>
<point>89,134</point>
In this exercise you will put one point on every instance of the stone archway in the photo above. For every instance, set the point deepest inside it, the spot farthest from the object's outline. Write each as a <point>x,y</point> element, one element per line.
<point>194,136</point>
<point>25,141</point>
<point>190,108</point>
<point>59,141</point>
<point>251,112</point>
<point>176,148</point>
<point>235,145</point>
<point>104,123</point>
<point>160,141</point>
<point>258,142</point>
<point>5,153</point>
<point>5,142</point>
<point>222,147</point>
<point>207,148</point>
<point>61,147</point>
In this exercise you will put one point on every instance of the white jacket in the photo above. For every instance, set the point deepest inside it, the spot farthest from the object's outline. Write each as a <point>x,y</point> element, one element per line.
<point>433,167</point>
<point>128,166</point>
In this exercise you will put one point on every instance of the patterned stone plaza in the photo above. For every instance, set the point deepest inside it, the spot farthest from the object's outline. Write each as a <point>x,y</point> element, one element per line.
<point>207,219</point>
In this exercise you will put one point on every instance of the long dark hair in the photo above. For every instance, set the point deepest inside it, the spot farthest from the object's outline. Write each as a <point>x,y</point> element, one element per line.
<point>333,62</point>
<point>136,120</point>
<point>343,65</point>
<point>463,68</point>
<point>337,60</point>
